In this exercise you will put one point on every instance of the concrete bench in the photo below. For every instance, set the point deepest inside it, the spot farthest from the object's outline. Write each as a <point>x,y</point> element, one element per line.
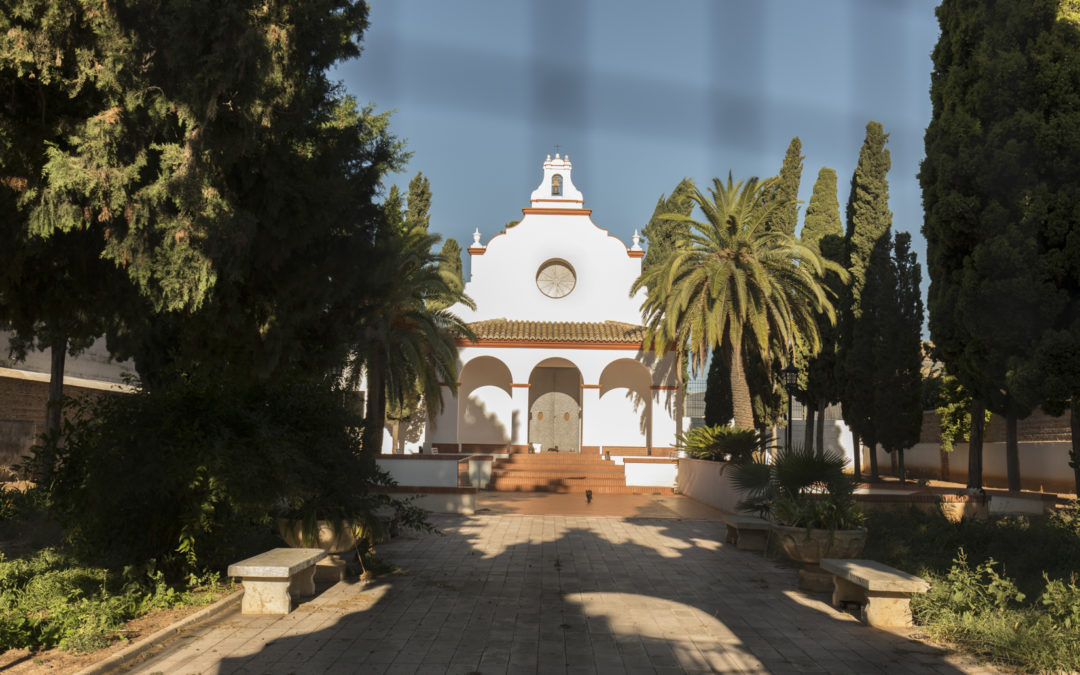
<point>748,533</point>
<point>272,579</point>
<point>883,593</point>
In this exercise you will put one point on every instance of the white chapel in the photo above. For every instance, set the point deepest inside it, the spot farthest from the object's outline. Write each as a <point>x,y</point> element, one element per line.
<point>558,362</point>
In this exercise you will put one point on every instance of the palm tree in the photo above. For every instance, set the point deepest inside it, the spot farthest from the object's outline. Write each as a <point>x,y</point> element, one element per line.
<point>404,345</point>
<point>730,277</point>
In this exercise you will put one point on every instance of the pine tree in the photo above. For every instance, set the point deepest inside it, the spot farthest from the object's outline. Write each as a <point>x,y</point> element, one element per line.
<point>210,161</point>
<point>868,222</point>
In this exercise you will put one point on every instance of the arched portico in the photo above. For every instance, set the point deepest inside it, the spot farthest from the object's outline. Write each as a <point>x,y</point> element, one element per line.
<point>555,405</point>
<point>485,413</point>
<point>624,410</point>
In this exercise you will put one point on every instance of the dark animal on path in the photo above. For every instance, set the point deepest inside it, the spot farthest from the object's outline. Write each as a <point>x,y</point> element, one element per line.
<point>588,496</point>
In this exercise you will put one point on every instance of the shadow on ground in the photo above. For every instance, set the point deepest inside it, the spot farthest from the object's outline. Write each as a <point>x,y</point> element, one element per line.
<point>502,594</point>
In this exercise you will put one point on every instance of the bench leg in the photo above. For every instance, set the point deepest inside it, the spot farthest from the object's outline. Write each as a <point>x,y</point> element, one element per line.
<point>845,591</point>
<point>303,583</point>
<point>266,596</point>
<point>752,540</point>
<point>888,610</point>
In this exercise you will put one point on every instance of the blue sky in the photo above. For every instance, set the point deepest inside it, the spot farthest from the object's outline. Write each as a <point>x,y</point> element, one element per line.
<point>642,94</point>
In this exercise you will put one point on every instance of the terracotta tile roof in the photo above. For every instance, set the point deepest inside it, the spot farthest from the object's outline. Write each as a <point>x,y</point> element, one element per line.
<point>558,331</point>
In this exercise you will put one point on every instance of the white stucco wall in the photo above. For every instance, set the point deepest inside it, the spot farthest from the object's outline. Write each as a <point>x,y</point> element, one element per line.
<point>488,414</point>
<point>503,270</point>
<point>650,474</point>
<point>420,472</point>
<point>708,482</point>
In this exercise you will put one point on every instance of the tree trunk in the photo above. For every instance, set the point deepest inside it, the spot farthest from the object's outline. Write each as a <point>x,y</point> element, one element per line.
<point>856,443</point>
<point>975,445</point>
<point>809,411</point>
<point>872,444</point>
<point>376,410</point>
<point>741,403</point>
<point>944,459</point>
<point>1012,452</point>
<point>1074,427</point>
<point>395,435</point>
<point>53,410</point>
<point>820,445</point>
<point>900,465</point>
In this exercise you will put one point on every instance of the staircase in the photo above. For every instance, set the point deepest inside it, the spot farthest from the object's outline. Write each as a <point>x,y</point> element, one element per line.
<point>563,472</point>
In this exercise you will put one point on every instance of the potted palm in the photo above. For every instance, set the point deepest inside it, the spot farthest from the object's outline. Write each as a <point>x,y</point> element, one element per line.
<point>811,503</point>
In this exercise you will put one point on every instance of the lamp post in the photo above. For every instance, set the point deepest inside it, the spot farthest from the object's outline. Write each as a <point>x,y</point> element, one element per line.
<point>791,380</point>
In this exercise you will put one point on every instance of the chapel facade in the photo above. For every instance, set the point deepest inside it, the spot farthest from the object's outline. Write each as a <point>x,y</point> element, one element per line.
<point>558,360</point>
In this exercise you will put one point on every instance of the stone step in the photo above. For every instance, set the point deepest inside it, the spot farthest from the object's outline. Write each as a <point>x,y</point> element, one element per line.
<point>514,483</point>
<point>541,473</point>
<point>576,487</point>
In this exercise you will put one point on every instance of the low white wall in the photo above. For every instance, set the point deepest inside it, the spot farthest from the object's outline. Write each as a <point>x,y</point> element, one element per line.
<point>421,472</point>
<point>708,482</point>
<point>650,474</point>
<point>464,502</point>
<point>480,471</point>
<point>1044,465</point>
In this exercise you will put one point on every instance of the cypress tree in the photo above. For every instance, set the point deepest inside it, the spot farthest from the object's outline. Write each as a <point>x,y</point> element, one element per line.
<point>662,233</point>
<point>718,406</point>
<point>868,222</point>
<point>786,217</point>
<point>418,203</point>
<point>898,395</point>
<point>999,194</point>
<point>818,383</point>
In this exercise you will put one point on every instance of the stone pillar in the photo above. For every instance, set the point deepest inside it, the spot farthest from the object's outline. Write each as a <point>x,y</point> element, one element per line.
<point>664,421</point>
<point>592,428</point>
<point>443,430</point>
<point>519,416</point>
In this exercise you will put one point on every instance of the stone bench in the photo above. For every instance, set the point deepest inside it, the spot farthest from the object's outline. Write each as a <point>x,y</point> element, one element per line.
<point>272,579</point>
<point>883,593</point>
<point>748,533</point>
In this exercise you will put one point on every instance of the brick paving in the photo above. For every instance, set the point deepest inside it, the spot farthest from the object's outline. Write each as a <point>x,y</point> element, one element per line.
<point>510,593</point>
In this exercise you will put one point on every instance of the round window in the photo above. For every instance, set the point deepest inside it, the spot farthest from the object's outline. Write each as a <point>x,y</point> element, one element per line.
<point>556,278</point>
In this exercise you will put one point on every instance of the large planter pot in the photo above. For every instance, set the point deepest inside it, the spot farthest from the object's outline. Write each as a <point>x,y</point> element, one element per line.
<point>340,546</point>
<point>810,546</point>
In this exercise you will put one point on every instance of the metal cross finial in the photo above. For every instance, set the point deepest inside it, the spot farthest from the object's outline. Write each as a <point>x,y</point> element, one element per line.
<point>557,146</point>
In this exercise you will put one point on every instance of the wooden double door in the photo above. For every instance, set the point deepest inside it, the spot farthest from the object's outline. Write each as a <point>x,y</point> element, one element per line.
<point>555,409</point>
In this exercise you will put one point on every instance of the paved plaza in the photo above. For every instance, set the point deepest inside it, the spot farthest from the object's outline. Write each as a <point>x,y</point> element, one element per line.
<point>503,592</point>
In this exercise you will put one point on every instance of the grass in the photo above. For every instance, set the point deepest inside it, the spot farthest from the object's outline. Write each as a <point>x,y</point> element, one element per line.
<point>1003,589</point>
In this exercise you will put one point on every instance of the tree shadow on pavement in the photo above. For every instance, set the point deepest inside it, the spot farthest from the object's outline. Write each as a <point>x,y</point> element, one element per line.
<point>502,594</point>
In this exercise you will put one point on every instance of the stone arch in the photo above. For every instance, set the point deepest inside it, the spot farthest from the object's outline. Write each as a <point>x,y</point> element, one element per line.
<point>625,410</point>
<point>485,407</point>
<point>555,405</point>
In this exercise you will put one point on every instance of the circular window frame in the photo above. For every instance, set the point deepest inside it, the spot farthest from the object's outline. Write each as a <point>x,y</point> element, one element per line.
<point>547,264</point>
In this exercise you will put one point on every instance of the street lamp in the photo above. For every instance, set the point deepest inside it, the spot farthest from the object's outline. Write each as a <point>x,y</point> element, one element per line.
<point>791,380</point>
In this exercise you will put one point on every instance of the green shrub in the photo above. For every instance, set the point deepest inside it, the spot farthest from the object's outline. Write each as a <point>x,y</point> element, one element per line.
<point>1023,611</point>
<point>50,600</point>
<point>800,488</point>
<point>190,474</point>
<point>983,611</point>
<point>723,443</point>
